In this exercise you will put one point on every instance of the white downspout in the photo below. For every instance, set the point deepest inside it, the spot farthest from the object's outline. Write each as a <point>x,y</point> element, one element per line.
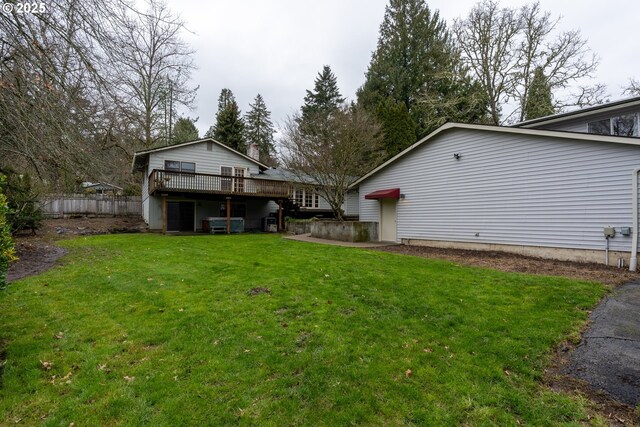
<point>633,263</point>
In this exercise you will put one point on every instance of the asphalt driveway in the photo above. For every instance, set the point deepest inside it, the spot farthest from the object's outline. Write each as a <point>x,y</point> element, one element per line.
<point>609,356</point>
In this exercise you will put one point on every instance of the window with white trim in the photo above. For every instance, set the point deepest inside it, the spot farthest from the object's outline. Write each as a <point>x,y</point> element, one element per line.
<point>622,125</point>
<point>236,181</point>
<point>306,198</point>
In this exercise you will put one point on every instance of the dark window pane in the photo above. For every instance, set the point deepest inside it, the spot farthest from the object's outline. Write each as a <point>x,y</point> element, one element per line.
<point>226,182</point>
<point>625,125</point>
<point>172,165</point>
<point>601,127</point>
<point>188,167</point>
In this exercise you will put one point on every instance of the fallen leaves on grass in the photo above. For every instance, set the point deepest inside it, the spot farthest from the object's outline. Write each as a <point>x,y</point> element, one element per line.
<point>66,379</point>
<point>128,379</point>
<point>46,365</point>
<point>408,373</point>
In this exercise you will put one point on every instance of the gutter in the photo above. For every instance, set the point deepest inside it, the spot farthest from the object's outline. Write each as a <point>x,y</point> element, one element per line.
<point>633,263</point>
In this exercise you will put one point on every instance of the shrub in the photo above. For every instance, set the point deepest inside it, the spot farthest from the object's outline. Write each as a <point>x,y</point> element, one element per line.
<point>7,249</point>
<point>24,211</point>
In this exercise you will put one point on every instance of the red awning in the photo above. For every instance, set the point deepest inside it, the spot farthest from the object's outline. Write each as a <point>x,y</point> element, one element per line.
<point>391,193</point>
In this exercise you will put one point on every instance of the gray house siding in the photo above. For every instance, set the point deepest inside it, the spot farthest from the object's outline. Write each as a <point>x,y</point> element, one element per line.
<point>145,196</point>
<point>352,203</point>
<point>510,189</point>
<point>580,124</point>
<point>206,161</point>
<point>155,213</point>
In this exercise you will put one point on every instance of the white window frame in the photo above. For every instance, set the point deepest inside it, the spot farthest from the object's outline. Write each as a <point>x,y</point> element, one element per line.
<point>234,183</point>
<point>301,195</point>
<point>234,169</point>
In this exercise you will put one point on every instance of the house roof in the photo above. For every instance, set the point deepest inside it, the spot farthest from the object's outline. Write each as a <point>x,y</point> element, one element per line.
<point>501,129</point>
<point>105,185</point>
<point>140,157</point>
<point>602,108</point>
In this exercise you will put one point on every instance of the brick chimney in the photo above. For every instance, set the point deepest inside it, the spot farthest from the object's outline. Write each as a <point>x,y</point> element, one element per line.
<point>253,151</point>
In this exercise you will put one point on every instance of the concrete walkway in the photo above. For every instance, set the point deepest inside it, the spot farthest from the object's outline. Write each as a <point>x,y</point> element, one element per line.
<point>609,356</point>
<point>307,238</point>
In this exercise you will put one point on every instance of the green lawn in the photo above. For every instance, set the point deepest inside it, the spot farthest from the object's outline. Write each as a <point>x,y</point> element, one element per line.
<point>146,329</point>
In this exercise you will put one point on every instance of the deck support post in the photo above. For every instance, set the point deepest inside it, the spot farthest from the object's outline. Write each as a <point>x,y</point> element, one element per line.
<point>228,215</point>
<point>279,215</point>
<point>164,214</point>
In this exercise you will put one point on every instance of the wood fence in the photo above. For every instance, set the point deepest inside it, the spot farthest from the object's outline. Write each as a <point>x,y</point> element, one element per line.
<point>64,205</point>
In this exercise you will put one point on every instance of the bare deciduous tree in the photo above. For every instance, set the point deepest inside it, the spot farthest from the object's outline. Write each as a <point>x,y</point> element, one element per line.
<point>51,87</point>
<point>154,69</point>
<point>328,161</point>
<point>633,88</point>
<point>504,47</point>
<point>64,110</point>
<point>488,39</point>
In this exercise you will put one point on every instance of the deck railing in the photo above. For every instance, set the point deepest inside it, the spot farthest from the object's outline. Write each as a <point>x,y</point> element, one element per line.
<point>163,180</point>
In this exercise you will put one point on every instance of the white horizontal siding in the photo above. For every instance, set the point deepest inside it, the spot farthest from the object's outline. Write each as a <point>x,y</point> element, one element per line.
<point>206,161</point>
<point>510,189</point>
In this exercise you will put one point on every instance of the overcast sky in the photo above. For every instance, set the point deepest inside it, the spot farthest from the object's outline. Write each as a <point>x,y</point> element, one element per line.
<point>277,47</point>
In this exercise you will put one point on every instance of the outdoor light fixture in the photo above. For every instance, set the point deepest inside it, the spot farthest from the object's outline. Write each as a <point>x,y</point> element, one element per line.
<point>457,156</point>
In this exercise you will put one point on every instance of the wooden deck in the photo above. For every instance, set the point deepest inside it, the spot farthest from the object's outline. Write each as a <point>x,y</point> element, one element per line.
<point>170,181</point>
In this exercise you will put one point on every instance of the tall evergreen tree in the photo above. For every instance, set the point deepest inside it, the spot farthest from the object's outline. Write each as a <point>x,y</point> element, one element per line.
<point>415,61</point>
<point>398,127</point>
<point>259,130</point>
<point>225,98</point>
<point>229,127</point>
<point>325,97</point>
<point>538,102</point>
<point>320,104</point>
<point>184,130</point>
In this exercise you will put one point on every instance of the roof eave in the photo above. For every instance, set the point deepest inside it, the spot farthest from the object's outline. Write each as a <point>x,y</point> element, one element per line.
<point>261,165</point>
<point>596,109</point>
<point>502,129</point>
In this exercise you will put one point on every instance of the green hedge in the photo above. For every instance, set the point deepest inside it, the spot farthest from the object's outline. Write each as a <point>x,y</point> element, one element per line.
<point>7,249</point>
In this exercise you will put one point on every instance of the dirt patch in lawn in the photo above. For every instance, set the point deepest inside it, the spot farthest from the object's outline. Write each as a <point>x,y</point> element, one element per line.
<point>521,264</point>
<point>65,228</point>
<point>37,253</point>
<point>33,257</point>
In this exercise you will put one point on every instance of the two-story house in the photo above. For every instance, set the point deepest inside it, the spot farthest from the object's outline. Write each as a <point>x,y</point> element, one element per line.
<point>563,186</point>
<point>190,186</point>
